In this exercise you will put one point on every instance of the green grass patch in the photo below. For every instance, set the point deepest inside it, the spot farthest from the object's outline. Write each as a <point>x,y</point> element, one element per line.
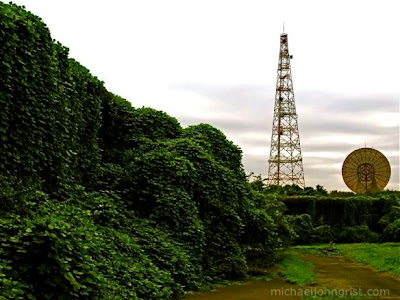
<point>296,270</point>
<point>385,257</point>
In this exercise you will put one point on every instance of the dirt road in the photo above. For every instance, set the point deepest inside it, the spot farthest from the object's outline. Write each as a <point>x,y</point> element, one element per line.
<point>343,274</point>
<point>335,275</point>
<point>251,290</point>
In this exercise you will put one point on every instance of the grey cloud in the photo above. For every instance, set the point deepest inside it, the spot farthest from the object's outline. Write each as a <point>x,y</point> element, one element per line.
<point>233,124</point>
<point>256,164</point>
<point>344,104</point>
<point>247,121</point>
<point>333,146</point>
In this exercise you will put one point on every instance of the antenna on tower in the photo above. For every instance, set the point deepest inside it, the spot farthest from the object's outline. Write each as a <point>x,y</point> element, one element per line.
<point>283,27</point>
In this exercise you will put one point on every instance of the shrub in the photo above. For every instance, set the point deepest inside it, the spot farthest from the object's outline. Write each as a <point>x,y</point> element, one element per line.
<point>342,212</point>
<point>390,217</point>
<point>214,142</point>
<point>165,252</point>
<point>303,228</point>
<point>306,233</point>
<point>260,237</point>
<point>358,234</point>
<point>392,232</point>
<point>124,127</point>
<point>59,252</point>
<point>281,234</point>
<point>324,234</point>
<point>158,185</point>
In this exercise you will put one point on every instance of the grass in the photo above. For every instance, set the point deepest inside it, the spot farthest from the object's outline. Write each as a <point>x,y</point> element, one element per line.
<point>296,270</point>
<point>384,257</point>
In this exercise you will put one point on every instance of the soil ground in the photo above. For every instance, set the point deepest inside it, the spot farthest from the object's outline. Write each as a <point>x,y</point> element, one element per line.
<point>343,274</point>
<point>333,275</point>
<point>251,290</point>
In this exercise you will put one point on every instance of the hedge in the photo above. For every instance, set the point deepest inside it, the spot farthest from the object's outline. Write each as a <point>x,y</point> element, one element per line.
<point>342,212</point>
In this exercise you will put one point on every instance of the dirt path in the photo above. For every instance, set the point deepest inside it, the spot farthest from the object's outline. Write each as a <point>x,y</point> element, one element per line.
<point>251,290</point>
<point>342,275</point>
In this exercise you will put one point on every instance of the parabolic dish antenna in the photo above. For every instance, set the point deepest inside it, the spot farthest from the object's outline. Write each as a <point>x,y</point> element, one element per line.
<point>365,170</point>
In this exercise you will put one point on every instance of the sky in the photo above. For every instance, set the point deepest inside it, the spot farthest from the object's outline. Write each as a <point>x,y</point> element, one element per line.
<point>215,61</point>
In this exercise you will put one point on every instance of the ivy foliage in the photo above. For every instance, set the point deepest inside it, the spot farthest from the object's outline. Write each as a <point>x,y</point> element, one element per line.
<point>100,200</point>
<point>50,105</point>
<point>342,219</point>
<point>342,212</point>
<point>316,216</point>
<point>124,127</point>
<point>60,251</point>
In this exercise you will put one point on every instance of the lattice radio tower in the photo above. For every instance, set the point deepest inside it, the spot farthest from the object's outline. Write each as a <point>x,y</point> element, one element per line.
<point>285,163</point>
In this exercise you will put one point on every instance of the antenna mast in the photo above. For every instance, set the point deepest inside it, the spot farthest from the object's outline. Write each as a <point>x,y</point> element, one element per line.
<point>285,163</point>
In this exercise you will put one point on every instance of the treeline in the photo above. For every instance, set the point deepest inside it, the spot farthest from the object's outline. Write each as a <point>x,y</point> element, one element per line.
<point>316,216</point>
<point>345,220</point>
<point>100,200</point>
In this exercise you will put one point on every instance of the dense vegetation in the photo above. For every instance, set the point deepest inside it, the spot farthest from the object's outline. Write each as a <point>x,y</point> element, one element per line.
<point>99,199</point>
<point>102,200</point>
<point>316,216</point>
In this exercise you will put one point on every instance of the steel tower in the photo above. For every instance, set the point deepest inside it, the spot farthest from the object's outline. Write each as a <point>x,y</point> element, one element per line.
<point>285,163</point>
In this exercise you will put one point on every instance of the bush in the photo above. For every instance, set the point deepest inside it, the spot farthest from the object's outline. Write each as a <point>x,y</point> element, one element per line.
<point>158,184</point>
<point>342,212</point>
<point>358,234</point>
<point>214,142</point>
<point>124,127</point>
<point>306,233</point>
<point>303,228</point>
<point>60,252</point>
<point>260,251</point>
<point>324,234</point>
<point>390,217</point>
<point>280,236</point>
<point>165,252</point>
<point>392,232</point>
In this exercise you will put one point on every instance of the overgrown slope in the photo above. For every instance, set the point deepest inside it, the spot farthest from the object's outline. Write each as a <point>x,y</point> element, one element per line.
<point>101,200</point>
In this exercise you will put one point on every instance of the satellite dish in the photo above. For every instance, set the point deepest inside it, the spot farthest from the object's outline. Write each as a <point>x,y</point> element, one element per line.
<point>365,170</point>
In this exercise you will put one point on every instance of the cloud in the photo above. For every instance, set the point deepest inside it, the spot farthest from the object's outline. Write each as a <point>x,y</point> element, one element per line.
<point>331,126</point>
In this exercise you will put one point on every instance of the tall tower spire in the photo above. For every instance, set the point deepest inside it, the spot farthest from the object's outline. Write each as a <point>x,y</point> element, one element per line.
<point>285,163</point>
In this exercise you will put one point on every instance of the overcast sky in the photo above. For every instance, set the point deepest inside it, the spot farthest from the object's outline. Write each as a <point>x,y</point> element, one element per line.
<point>215,61</point>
